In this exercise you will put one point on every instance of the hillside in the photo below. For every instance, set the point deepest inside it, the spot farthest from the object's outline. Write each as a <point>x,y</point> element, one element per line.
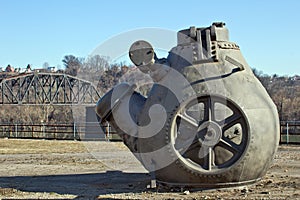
<point>284,90</point>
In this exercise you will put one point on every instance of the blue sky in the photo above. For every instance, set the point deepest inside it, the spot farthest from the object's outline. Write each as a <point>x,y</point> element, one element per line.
<point>38,31</point>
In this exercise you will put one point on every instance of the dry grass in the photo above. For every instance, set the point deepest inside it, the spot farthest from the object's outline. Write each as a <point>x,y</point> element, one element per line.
<point>15,146</point>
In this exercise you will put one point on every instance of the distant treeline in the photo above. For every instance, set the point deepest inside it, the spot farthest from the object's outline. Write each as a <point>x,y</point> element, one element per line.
<point>284,90</point>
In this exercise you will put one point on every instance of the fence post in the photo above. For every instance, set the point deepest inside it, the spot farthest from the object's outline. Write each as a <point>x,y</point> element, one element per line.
<point>108,131</point>
<point>44,131</point>
<point>16,130</point>
<point>74,131</point>
<point>287,133</point>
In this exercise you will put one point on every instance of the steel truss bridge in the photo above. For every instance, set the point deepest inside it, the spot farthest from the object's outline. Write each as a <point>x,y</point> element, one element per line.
<point>47,89</point>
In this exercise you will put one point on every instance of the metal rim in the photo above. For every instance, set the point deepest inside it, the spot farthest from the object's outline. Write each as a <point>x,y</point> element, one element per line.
<point>209,134</point>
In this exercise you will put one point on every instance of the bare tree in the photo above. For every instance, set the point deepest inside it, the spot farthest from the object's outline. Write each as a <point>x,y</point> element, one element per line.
<point>72,64</point>
<point>46,65</point>
<point>96,63</point>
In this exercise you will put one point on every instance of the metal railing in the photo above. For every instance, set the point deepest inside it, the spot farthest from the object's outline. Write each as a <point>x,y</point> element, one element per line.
<point>72,131</point>
<point>290,132</point>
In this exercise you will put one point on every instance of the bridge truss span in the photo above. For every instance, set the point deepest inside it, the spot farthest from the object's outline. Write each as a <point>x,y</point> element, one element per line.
<point>47,88</point>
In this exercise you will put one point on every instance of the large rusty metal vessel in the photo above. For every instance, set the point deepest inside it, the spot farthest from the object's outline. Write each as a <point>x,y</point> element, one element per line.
<point>207,121</point>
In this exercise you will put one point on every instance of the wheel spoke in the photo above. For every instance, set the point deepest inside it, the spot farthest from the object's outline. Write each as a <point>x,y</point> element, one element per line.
<point>230,121</point>
<point>209,110</point>
<point>201,140</point>
<point>188,119</point>
<point>229,145</point>
<point>208,157</point>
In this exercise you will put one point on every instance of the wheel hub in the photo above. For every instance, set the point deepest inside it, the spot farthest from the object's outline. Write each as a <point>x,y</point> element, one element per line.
<point>202,143</point>
<point>209,133</point>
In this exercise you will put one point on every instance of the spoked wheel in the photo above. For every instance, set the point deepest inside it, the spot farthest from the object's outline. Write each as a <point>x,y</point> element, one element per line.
<point>209,134</point>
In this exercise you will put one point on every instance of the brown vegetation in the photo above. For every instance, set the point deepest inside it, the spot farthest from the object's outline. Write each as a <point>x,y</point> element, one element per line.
<point>284,90</point>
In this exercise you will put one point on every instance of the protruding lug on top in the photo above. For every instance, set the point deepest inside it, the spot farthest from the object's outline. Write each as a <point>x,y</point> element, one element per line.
<point>219,24</point>
<point>219,32</point>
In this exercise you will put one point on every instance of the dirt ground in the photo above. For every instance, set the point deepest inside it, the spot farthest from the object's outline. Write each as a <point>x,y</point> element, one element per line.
<point>43,169</point>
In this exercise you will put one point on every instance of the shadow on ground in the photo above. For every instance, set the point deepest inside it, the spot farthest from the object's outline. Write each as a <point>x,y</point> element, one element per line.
<point>81,185</point>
